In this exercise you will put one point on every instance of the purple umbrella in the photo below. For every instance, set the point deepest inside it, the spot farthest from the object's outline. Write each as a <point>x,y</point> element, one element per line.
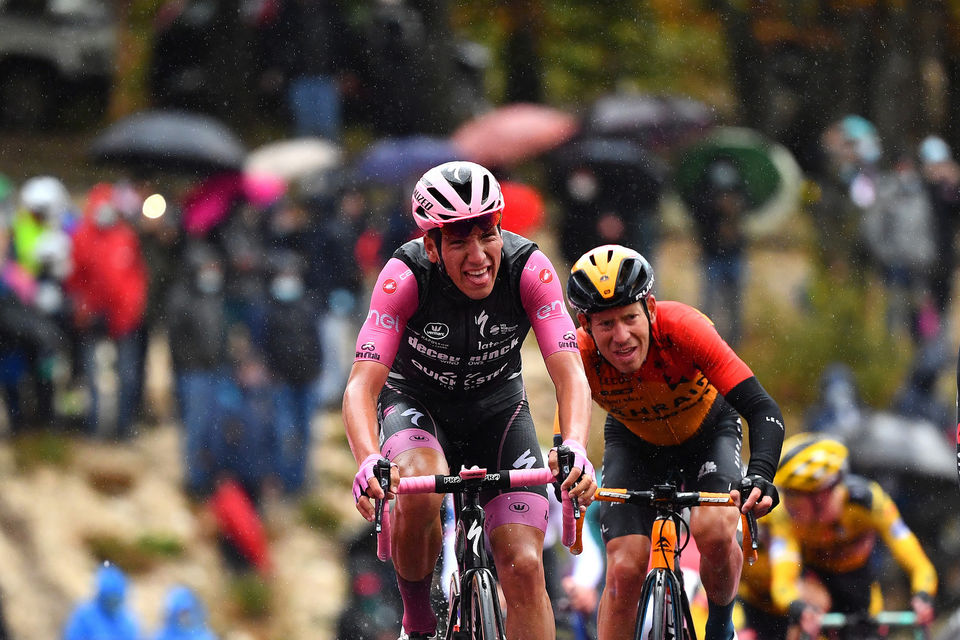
<point>394,160</point>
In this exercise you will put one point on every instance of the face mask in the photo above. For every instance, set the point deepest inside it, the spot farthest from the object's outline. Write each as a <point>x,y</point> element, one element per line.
<point>105,216</point>
<point>582,186</point>
<point>286,288</point>
<point>209,281</point>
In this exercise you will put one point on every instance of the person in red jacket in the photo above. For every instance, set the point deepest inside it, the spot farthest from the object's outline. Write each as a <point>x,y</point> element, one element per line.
<point>108,289</point>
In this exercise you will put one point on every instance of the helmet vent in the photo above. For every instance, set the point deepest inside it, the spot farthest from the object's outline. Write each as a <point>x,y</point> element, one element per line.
<point>439,197</point>
<point>463,190</point>
<point>485,191</point>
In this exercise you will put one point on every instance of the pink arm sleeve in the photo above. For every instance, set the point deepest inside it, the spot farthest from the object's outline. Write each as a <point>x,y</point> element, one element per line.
<point>393,301</point>
<point>542,297</point>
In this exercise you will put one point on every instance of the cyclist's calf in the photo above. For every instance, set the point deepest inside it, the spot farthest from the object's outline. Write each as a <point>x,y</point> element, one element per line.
<point>518,556</point>
<point>721,559</point>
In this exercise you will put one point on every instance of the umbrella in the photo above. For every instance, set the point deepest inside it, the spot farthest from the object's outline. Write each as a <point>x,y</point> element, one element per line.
<point>393,160</point>
<point>611,156</point>
<point>899,444</point>
<point>238,521</point>
<point>513,133</point>
<point>655,121</point>
<point>169,140</point>
<point>771,176</point>
<point>523,209</point>
<point>293,159</point>
<point>210,202</point>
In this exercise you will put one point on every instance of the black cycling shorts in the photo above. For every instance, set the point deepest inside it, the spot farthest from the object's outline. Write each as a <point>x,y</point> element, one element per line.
<point>709,461</point>
<point>850,592</point>
<point>766,625</point>
<point>495,438</point>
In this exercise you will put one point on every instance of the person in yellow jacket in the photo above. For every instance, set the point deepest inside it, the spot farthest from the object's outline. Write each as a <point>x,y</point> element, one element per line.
<point>834,519</point>
<point>771,593</point>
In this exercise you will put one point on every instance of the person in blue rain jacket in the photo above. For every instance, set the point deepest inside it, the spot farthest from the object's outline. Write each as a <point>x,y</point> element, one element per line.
<point>105,616</point>
<point>184,617</point>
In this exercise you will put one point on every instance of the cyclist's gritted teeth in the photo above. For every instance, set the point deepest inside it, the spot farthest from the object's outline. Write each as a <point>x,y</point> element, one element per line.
<point>478,277</point>
<point>626,352</point>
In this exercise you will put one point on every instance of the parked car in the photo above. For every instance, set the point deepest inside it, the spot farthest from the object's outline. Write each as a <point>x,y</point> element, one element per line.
<point>53,53</point>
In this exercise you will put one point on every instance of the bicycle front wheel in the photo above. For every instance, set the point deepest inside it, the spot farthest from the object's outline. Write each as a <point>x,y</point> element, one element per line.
<point>486,619</point>
<point>657,616</point>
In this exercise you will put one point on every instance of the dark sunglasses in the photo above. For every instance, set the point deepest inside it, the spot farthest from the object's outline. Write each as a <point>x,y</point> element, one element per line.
<point>464,228</point>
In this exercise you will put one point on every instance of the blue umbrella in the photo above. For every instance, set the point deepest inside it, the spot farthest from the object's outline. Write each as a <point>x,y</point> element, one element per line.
<point>393,160</point>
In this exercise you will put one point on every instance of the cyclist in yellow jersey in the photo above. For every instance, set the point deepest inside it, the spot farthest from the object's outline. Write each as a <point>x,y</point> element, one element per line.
<point>771,589</point>
<point>836,519</point>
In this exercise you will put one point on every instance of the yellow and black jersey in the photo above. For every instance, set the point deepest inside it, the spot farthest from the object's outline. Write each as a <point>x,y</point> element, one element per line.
<point>845,545</point>
<point>772,582</point>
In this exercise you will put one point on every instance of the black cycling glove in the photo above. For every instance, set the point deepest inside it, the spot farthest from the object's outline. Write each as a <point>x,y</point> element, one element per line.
<point>766,487</point>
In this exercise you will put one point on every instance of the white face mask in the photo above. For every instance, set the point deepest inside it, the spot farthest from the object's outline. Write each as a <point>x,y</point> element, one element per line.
<point>286,288</point>
<point>583,186</point>
<point>105,216</point>
<point>209,281</point>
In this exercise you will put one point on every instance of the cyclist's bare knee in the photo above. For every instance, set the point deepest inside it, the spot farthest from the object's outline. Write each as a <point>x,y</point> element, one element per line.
<point>421,461</point>
<point>714,530</point>
<point>627,561</point>
<point>518,553</point>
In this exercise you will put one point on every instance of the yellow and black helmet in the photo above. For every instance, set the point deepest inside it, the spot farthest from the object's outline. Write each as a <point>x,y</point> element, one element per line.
<point>607,277</point>
<point>811,462</point>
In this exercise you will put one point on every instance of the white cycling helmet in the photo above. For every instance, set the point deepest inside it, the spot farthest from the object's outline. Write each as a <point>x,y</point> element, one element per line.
<point>45,195</point>
<point>455,191</point>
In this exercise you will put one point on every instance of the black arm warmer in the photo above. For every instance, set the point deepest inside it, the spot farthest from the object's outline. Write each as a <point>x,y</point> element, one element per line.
<point>766,426</point>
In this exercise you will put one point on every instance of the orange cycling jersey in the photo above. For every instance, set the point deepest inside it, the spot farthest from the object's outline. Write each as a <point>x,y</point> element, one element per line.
<point>669,399</point>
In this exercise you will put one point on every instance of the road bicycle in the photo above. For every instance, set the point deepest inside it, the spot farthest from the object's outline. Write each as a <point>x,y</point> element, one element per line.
<point>664,607</point>
<point>473,609</point>
<point>859,626</point>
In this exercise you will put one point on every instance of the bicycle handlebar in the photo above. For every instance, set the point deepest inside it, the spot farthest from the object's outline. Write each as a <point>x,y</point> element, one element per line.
<point>835,620</point>
<point>474,479</point>
<point>488,480</point>
<point>666,497</point>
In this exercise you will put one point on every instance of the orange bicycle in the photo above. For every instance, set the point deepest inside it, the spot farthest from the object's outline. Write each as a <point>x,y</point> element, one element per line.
<point>663,606</point>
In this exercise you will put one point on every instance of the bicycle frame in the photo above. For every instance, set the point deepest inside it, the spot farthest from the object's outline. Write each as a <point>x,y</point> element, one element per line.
<point>474,597</point>
<point>662,585</point>
<point>663,600</point>
<point>472,558</point>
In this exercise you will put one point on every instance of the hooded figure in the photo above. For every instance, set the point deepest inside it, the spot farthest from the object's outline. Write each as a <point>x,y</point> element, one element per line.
<point>106,616</point>
<point>184,617</point>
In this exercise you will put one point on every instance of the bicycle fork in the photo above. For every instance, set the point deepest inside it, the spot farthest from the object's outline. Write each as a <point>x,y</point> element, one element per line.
<point>663,584</point>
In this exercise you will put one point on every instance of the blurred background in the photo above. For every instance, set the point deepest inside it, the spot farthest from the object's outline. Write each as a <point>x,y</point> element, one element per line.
<point>196,194</point>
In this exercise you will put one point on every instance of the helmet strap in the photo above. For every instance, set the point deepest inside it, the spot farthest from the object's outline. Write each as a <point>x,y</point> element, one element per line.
<point>646,312</point>
<point>437,237</point>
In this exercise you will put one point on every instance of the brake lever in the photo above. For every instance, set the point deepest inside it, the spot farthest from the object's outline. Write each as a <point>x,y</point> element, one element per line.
<point>382,474</point>
<point>565,460</point>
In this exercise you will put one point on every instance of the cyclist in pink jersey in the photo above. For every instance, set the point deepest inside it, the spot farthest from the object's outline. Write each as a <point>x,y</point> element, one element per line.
<point>436,384</point>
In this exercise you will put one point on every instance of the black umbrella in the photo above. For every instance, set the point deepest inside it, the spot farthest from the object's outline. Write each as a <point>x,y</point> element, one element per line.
<point>169,141</point>
<point>621,157</point>
<point>656,121</point>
